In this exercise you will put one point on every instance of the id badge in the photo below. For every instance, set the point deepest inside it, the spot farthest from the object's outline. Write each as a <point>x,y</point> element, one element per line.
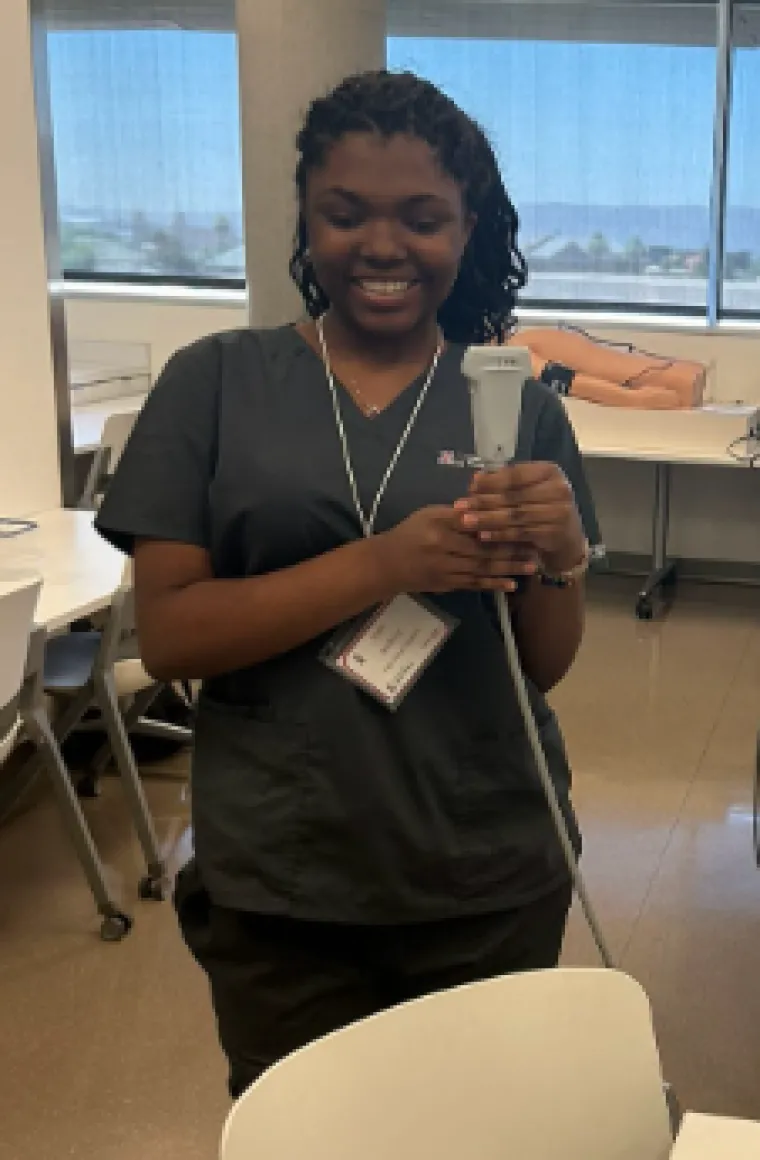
<point>386,653</point>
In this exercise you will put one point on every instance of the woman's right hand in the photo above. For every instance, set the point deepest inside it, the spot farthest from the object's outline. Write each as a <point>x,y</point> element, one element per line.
<point>429,552</point>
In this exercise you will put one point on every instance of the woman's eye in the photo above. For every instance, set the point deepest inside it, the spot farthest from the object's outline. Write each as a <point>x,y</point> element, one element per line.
<point>341,221</point>
<point>426,226</point>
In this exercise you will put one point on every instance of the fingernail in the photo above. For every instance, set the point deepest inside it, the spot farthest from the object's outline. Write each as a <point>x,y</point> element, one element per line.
<point>462,505</point>
<point>470,521</point>
<point>486,535</point>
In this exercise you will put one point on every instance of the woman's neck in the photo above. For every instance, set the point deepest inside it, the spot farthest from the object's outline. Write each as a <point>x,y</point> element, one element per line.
<point>382,352</point>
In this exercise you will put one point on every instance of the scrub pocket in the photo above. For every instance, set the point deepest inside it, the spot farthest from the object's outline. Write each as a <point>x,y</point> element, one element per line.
<point>250,783</point>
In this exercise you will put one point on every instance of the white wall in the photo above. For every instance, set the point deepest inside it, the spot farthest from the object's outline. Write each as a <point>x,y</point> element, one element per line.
<point>732,355</point>
<point>163,326</point>
<point>28,430</point>
<point>716,512</point>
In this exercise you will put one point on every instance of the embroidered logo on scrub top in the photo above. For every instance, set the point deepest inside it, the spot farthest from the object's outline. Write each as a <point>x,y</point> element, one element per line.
<point>458,459</point>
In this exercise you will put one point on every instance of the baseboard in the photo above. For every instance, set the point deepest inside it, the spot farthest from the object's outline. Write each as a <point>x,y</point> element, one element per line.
<point>703,571</point>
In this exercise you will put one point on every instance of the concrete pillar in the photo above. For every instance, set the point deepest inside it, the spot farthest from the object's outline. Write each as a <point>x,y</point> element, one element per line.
<point>29,429</point>
<point>290,52</point>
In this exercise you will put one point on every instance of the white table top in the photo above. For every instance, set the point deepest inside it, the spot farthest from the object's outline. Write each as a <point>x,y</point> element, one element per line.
<point>88,419</point>
<point>700,436</point>
<point>716,1138</point>
<point>80,572</point>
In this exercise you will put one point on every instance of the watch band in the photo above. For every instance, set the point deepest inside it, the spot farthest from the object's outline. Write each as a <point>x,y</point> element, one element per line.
<point>572,575</point>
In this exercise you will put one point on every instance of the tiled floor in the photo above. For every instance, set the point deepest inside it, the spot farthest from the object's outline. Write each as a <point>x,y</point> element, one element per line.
<point>108,1052</point>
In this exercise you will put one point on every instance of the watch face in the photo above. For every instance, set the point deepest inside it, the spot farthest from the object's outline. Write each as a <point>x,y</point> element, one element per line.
<point>568,578</point>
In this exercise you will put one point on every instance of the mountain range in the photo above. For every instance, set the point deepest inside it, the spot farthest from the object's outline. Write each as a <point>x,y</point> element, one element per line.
<point>679,227</point>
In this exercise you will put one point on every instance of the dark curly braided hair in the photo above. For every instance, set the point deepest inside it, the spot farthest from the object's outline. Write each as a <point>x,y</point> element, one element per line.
<point>492,271</point>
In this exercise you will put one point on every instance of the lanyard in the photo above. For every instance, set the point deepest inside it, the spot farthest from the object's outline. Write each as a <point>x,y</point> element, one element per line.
<point>368,521</point>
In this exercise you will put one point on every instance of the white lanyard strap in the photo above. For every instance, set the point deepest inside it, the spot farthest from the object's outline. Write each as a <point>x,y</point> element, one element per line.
<point>368,521</point>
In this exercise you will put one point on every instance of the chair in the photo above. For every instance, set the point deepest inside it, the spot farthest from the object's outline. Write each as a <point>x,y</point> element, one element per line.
<point>23,712</point>
<point>116,431</point>
<point>97,669</point>
<point>551,1065</point>
<point>18,600</point>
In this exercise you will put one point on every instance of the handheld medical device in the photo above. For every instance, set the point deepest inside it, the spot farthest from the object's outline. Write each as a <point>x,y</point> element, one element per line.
<point>497,375</point>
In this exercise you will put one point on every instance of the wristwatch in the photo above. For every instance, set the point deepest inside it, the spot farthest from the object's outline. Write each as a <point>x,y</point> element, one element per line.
<point>571,575</point>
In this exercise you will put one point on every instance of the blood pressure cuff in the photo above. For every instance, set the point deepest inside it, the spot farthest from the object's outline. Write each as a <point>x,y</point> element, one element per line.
<point>558,377</point>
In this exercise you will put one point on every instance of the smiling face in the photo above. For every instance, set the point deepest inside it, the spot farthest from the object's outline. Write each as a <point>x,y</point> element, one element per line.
<point>387,229</point>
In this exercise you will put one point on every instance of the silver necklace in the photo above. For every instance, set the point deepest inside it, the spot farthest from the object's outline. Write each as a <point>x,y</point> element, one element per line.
<point>368,521</point>
<point>369,410</point>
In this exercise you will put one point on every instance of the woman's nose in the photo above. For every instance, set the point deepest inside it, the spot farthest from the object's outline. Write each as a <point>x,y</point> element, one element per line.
<point>381,243</point>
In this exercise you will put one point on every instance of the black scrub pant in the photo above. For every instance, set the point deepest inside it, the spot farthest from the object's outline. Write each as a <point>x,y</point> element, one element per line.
<point>279,983</point>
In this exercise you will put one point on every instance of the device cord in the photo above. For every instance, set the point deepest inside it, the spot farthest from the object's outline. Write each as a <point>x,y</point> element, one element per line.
<point>542,767</point>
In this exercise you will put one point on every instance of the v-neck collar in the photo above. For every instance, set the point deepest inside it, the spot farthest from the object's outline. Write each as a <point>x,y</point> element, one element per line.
<point>407,395</point>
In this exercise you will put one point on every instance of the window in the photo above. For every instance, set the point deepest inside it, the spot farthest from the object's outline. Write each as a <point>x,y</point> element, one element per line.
<point>604,136</point>
<point>601,112</point>
<point>147,148</point>
<point>741,263</point>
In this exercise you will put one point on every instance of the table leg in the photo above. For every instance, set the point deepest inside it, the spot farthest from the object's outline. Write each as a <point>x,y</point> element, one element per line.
<point>663,573</point>
<point>88,787</point>
<point>116,924</point>
<point>154,884</point>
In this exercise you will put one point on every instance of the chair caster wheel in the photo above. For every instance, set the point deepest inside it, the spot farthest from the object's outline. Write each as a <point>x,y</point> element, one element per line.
<point>644,609</point>
<point>115,927</point>
<point>152,889</point>
<point>88,786</point>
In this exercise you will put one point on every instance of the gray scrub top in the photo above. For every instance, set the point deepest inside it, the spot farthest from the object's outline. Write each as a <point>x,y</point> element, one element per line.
<point>309,798</point>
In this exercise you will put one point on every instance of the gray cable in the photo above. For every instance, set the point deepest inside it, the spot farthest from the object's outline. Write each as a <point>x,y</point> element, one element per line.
<point>542,767</point>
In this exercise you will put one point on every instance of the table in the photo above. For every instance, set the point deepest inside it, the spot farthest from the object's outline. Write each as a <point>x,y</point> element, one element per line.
<point>88,419</point>
<point>666,439</point>
<point>716,1138</point>
<point>79,570</point>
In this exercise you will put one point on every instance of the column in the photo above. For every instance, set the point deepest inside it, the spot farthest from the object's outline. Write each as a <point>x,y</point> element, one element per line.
<point>291,51</point>
<point>29,450</point>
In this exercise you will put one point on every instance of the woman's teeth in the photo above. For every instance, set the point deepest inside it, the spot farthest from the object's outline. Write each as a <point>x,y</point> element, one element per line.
<point>383,287</point>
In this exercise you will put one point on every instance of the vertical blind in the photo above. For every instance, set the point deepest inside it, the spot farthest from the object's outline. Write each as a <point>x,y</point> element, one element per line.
<point>145,111</point>
<point>602,119</point>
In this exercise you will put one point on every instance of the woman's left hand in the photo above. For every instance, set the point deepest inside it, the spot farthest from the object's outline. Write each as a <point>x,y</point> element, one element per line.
<point>526,503</point>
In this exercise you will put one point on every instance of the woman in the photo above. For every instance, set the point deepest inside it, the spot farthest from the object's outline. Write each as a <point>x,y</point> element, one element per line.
<point>349,856</point>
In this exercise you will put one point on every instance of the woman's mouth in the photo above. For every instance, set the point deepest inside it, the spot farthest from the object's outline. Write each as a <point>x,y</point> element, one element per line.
<point>384,291</point>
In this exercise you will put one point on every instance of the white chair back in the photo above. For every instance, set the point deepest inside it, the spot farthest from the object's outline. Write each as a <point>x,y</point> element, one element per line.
<point>18,600</point>
<point>552,1065</point>
<point>116,432</point>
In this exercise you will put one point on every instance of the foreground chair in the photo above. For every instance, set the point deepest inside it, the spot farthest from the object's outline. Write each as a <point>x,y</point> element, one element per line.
<point>551,1065</point>
<point>18,600</point>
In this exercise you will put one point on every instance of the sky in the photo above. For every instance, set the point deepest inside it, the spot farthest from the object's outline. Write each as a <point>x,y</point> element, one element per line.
<point>148,120</point>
